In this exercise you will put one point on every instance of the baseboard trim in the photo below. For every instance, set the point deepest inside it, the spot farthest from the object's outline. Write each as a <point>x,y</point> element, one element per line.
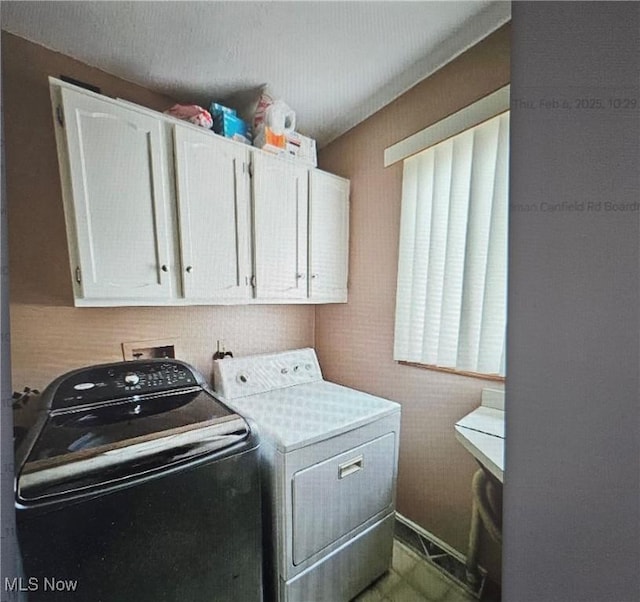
<point>438,553</point>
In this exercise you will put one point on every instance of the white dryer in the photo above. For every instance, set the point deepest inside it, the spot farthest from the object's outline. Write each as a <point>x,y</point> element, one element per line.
<point>329,457</point>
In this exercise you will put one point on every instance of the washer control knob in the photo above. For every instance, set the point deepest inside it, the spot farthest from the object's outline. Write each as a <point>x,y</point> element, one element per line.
<point>131,378</point>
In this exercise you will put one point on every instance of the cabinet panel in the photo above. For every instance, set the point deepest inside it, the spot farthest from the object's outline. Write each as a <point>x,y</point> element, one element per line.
<point>328,236</point>
<point>213,209</point>
<point>118,180</point>
<point>280,212</point>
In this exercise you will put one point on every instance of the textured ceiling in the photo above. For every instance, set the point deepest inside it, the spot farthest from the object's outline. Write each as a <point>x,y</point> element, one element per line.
<point>334,63</point>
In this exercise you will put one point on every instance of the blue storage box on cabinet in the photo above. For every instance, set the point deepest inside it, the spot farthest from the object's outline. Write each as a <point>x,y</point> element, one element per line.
<point>227,123</point>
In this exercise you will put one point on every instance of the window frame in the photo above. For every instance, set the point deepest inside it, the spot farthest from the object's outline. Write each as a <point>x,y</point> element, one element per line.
<point>471,116</point>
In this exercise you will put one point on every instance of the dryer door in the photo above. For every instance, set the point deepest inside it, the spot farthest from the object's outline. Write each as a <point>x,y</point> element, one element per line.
<point>332,498</point>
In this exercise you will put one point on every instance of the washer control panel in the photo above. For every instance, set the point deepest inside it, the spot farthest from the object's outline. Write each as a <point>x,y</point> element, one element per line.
<point>239,377</point>
<point>125,379</point>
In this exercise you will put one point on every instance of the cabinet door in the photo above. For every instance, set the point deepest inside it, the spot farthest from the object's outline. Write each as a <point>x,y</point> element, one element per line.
<point>213,209</point>
<point>117,168</point>
<point>328,237</point>
<point>280,210</point>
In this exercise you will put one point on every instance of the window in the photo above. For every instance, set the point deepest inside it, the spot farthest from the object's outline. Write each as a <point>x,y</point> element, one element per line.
<point>452,267</point>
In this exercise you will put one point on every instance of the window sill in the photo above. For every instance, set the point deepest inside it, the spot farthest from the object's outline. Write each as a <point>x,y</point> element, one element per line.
<point>491,377</point>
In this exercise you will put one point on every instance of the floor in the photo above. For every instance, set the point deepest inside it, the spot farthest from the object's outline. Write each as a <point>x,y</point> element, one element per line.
<point>413,579</point>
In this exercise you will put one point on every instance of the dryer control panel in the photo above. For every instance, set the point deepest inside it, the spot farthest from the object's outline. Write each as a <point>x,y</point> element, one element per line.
<point>241,376</point>
<point>124,379</point>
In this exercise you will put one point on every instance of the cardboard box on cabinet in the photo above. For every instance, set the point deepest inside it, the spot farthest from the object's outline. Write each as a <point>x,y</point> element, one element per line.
<point>290,144</point>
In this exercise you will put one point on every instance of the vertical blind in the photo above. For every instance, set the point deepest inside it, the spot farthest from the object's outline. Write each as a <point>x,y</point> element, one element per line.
<point>452,267</point>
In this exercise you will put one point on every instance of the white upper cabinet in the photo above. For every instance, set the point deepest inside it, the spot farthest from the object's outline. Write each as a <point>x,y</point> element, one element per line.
<point>213,214</point>
<point>161,212</point>
<point>119,197</point>
<point>280,213</point>
<point>328,237</point>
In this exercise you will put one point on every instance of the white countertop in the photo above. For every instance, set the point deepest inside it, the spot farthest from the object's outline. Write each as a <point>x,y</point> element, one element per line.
<point>482,434</point>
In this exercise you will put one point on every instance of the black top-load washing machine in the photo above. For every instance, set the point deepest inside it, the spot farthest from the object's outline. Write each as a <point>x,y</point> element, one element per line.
<point>136,484</point>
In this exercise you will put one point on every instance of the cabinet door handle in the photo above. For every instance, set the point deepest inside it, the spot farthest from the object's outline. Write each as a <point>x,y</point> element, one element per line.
<point>299,276</point>
<point>164,268</point>
<point>352,466</point>
<point>313,276</point>
<point>189,269</point>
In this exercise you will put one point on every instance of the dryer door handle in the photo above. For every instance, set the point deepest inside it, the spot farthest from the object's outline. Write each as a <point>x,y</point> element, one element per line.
<point>351,467</point>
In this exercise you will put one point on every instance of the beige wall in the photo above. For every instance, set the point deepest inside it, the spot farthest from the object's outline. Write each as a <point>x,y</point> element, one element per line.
<point>355,342</point>
<point>48,335</point>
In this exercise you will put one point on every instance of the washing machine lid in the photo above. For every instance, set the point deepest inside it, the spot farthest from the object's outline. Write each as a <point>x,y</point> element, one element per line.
<point>301,415</point>
<point>85,447</point>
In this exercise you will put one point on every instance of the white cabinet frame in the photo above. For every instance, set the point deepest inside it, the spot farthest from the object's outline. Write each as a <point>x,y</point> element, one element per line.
<point>207,236</point>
